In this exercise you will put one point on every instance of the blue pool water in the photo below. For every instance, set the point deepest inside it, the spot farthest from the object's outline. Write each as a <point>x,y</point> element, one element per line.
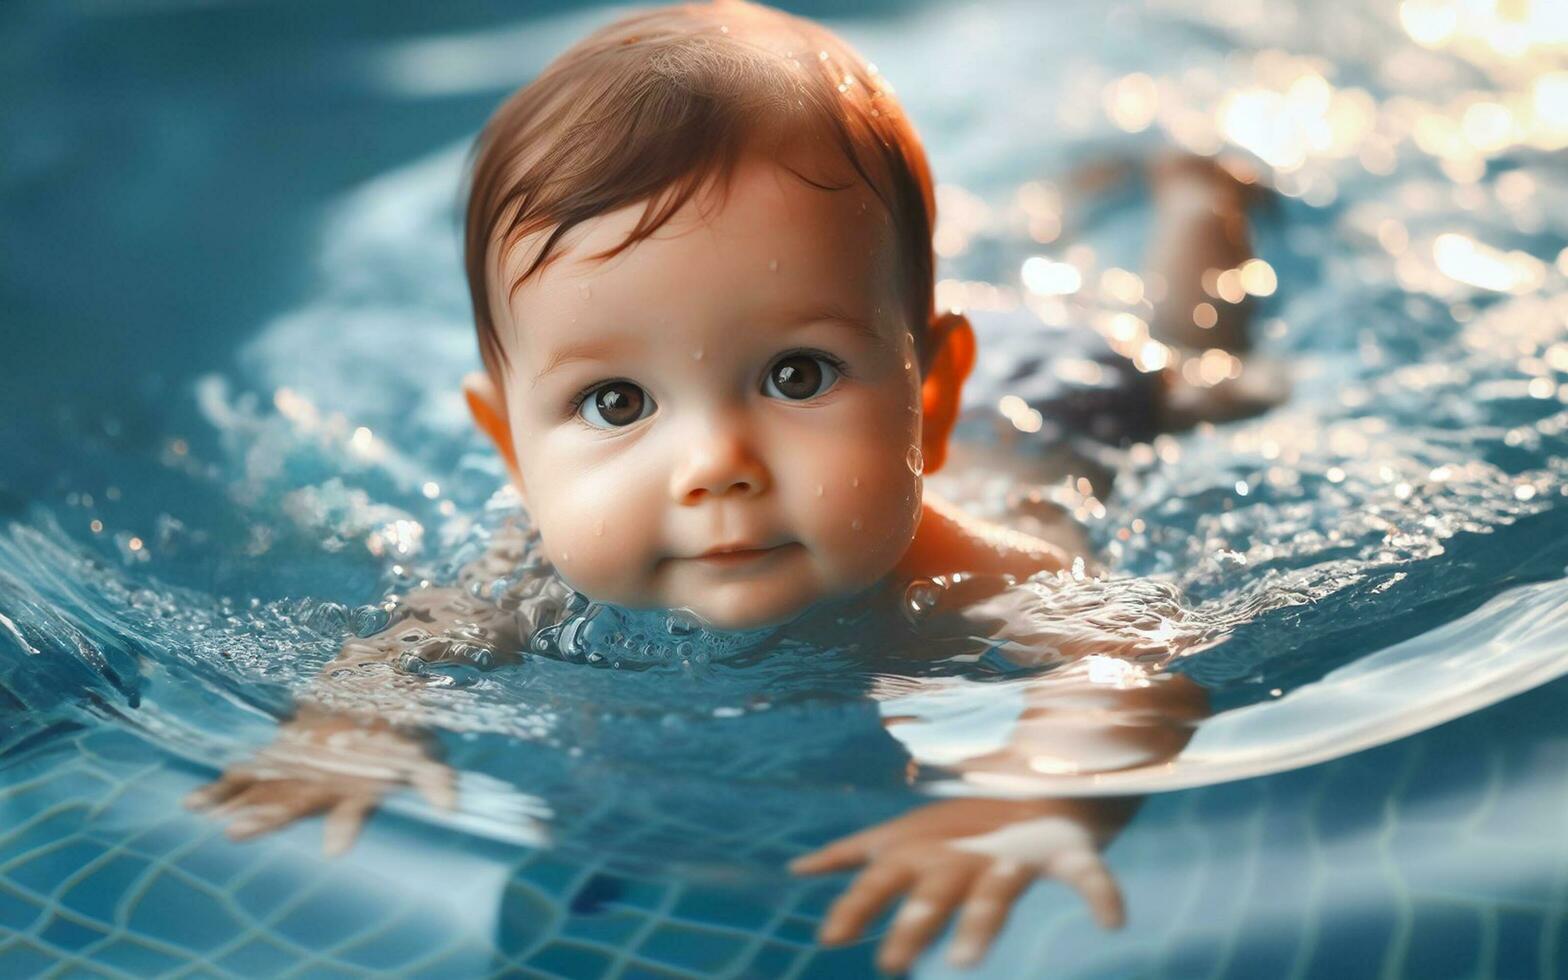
<point>225,227</point>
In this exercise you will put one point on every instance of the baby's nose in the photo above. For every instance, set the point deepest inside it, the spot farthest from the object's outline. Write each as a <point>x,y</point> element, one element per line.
<point>716,463</point>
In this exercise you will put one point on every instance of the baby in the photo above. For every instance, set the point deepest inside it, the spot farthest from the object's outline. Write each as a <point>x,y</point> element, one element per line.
<point>699,252</point>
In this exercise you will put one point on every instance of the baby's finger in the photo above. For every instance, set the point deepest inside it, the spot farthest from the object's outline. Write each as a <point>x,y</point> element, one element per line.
<point>1091,879</point>
<point>922,916</point>
<point>344,822</point>
<point>846,852</point>
<point>437,784</point>
<point>985,911</point>
<point>253,821</point>
<point>837,856</point>
<point>268,806</point>
<point>225,787</point>
<point>867,896</point>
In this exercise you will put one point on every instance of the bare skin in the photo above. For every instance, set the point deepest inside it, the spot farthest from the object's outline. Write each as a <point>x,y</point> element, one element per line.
<point>973,857</point>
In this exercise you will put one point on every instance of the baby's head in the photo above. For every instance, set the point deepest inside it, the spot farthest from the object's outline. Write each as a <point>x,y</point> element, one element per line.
<point>699,250</point>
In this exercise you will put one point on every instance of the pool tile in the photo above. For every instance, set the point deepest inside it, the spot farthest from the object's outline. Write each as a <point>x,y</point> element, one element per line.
<point>858,960</point>
<point>551,874</point>
<point>16,911</point>
<point>1353,942</point>
<point>324,919</point>
<point>1445,941</point>
<point>612,927</point>
<point>42,872</point>
<point>797,930</point>
<point>266,890</point>
<point>769,962</point>
<point>726,908</point>
<point>70,936</point>
<point>217,860</point>
<point>570,960</point>
<point>98,895</point>
<point>409,938</point>
<point>259,958</point>
<point>690,949</point>
<point>137,958</point>
<point>59,825</point>
<point>21,959</point>
<point>1519,945</point>
<point>175,912</point>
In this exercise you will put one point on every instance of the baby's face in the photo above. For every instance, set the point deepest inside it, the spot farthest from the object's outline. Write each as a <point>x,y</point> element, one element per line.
<point>742,382</point>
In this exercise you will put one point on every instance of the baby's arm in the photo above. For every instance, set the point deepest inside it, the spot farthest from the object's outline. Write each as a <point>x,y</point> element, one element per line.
<point>975,857</point>
<point>949,540</point>
<point>346,746</point>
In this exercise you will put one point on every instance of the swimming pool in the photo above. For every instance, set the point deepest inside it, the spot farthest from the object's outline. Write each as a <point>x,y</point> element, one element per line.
<point>225,225</point>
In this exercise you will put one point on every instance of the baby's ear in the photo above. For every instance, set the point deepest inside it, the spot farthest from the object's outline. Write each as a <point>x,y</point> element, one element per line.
<point>488,407</point>
<point>951,345</point>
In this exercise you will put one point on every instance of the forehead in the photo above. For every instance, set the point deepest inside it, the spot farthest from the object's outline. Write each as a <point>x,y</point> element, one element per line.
<point>776,233</point>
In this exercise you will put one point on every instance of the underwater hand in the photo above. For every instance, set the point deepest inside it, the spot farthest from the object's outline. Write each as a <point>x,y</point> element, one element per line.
<point>324,762</point>
<point>974,856</point>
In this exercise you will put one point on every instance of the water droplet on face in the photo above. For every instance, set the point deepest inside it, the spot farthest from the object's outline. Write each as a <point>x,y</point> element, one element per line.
<point>585,291</point>
<point>916,460</point>
<point>773,265</point>
<point>696,355</point>
<point>565,557</point>
<point>856,524</point>
<point>854,481</point>
<point>920,598</point>
<point>819,489</point>
<point>598,529</point>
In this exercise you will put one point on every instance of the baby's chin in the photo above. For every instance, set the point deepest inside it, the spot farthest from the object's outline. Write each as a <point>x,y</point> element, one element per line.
<point>745,607</point>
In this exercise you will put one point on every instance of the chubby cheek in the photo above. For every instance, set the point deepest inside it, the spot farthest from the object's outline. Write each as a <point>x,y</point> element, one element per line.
<point>862,499</point>
<point>598,525</point>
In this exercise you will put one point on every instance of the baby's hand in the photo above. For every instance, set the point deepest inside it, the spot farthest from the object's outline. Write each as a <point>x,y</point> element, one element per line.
<point>977,854</point>
<point>324,762</point>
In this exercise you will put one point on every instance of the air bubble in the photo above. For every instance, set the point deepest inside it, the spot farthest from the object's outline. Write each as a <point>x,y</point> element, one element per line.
<point>682,622</point>
<point>916,460</point>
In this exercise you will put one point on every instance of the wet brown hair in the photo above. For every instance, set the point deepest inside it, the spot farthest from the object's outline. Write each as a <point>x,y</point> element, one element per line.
<point>659,105</point>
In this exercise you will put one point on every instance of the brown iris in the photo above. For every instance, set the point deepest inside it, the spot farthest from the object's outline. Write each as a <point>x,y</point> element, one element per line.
<point>797,377</point>
<point>619,403</point>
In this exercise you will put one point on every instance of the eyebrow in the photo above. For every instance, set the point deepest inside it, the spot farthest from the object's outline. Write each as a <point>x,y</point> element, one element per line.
<point>589,350</point>
<point>595,350</point>
<point>856,324</point>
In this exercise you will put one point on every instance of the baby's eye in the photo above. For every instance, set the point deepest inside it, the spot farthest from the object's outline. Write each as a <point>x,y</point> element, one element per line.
<point>615,405</point>
<point>800,376</point>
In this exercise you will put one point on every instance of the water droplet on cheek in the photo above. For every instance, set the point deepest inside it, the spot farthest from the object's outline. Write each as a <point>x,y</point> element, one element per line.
<point>598,529</point>
<point>696,355</point>
<point>856,524</point>
<point>586,292</point>
<point>916,460</point>
<point>819,489</point>
<point>565,557</point>
<point>773,265</point>
<point>854,481</point>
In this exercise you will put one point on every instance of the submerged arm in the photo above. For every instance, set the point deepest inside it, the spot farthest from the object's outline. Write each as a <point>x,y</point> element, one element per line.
<point>356,733</point>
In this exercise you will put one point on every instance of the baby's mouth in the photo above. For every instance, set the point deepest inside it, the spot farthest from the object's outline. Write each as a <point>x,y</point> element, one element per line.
<point>736,556</point>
